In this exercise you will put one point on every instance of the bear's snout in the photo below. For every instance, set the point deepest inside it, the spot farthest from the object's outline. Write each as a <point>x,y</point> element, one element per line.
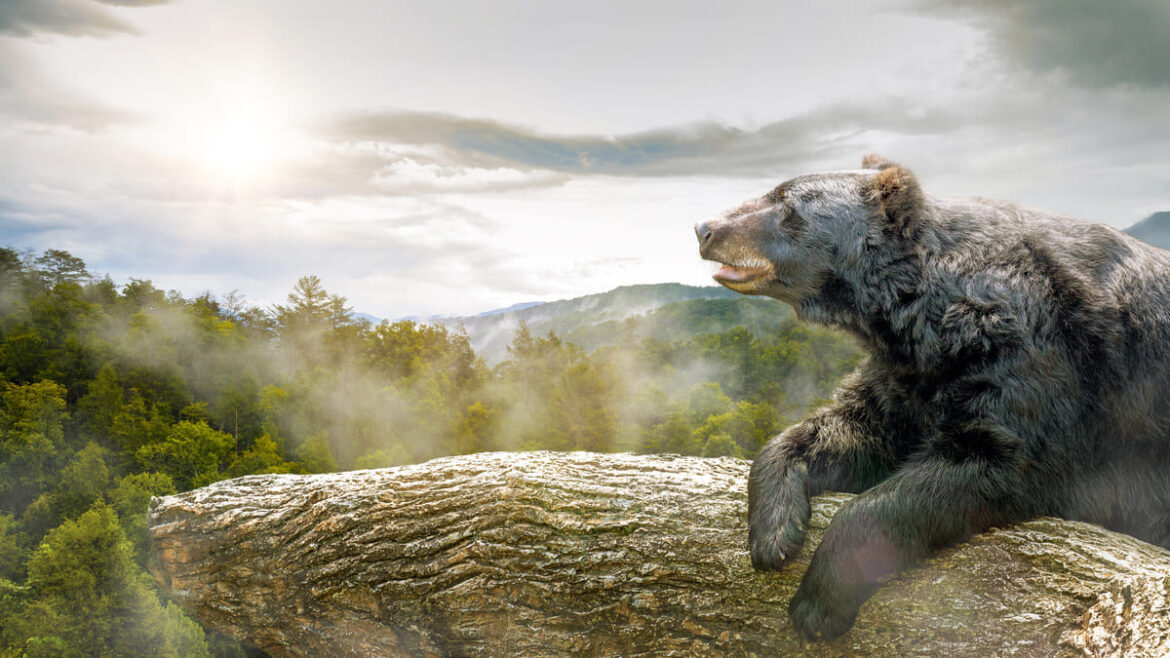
<point>712,233</point>
<point>704,233</point>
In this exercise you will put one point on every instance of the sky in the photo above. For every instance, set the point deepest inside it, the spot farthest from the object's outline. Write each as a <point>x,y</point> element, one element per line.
<point>450,157</point>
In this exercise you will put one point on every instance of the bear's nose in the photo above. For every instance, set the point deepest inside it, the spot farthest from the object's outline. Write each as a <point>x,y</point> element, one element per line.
<point>703,232</point>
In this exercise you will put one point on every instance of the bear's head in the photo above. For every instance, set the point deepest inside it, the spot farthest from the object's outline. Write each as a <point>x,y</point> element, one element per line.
<point>789,242</point>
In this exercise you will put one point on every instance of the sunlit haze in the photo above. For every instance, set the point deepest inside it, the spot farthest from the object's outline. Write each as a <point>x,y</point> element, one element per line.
<point>239,144</point>
<point>449,158</point>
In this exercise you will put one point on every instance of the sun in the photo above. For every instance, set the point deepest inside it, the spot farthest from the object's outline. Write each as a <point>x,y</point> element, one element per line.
<point>238,147</point>
<point>239,144</point>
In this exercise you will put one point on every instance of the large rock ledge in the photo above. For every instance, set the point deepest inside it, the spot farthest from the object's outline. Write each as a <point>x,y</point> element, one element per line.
<point>590,554</point>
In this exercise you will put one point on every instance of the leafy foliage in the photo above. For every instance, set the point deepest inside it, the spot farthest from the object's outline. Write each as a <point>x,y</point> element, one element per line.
<point>85,592</point>
<point>113,395</point>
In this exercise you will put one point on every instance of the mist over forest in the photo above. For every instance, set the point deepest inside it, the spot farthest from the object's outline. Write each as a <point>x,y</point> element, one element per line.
<point>114,393</point>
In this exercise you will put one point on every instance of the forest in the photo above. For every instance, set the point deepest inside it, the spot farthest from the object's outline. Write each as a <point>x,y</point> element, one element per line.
<point>114,393</point>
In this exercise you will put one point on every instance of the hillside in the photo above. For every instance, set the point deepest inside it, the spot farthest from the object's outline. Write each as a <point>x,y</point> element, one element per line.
<point>687,319</point>
<point>595,320</point>
<point>1154,229</point>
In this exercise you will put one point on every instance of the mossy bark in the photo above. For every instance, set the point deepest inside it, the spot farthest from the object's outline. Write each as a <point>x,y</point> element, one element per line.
<point>541,554</point>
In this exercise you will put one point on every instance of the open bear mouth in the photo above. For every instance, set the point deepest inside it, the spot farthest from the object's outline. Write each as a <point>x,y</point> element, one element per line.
<point>741,273</point>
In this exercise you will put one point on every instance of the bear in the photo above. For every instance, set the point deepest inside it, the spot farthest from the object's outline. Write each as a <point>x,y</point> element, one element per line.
<point>1018,366</point>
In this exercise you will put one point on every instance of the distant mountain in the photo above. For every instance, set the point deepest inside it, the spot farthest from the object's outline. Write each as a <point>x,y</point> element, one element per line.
<point>514,307</point>
<point>372,319</point>
<point>687,319</point>
<point>448,319</point>
<point>1154,229</point>
<point>670,310</point>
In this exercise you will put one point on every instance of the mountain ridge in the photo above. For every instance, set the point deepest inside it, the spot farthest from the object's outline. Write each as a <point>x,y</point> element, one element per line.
<point>1154,229</point>
<point>491,331</point>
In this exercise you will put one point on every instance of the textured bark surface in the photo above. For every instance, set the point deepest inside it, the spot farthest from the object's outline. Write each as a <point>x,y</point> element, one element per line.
<point>588,554</point>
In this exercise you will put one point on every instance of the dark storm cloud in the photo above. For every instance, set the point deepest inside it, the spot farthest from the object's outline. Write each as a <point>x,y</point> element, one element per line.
<point>1097,44</point>
<point>706,148</point>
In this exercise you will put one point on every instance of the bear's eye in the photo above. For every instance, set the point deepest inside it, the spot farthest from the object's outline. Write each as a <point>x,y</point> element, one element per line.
<point>792,222</point>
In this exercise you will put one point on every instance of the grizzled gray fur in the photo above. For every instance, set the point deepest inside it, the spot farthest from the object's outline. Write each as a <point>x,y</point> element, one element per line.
<point>1019,366</point>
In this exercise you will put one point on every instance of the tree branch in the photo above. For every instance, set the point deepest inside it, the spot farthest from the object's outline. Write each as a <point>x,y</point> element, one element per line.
<point>580,553</point>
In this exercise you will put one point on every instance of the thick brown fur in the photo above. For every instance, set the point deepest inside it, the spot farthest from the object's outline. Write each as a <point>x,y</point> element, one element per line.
<point>897,193</point>
<point>875,161</point>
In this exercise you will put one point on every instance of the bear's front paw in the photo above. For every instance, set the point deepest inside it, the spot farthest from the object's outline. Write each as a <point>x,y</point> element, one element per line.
<point>776,537</point>
<point>823,609</point>
<point>778,507</point>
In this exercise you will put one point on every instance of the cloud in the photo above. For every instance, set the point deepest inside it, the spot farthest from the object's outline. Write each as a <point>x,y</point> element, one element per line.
<point>23,18</point>
<point>78,18</point>
<point>25,93</point>
<point>411,176</point>
<point>328,169</point>
<point>27,96</point>
<point>392,255</point>
<point>364,168</point>
<point>1096,44</point>
<point>707,148</point>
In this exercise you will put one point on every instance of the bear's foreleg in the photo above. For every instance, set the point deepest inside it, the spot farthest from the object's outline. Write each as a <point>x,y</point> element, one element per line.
<point>927,505</point>
<point>848,447</point>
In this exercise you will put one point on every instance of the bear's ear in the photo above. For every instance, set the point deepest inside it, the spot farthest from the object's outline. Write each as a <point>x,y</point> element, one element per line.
<point>878,162</point>
<point>897,194</point>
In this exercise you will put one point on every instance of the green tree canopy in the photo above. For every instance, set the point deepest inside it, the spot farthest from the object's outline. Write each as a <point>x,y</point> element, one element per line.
<point>32,440</point>
<point>86,595</point>
<point>192,454</point>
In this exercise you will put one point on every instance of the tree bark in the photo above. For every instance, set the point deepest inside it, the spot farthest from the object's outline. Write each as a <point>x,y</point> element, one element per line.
<point>541,554</point>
